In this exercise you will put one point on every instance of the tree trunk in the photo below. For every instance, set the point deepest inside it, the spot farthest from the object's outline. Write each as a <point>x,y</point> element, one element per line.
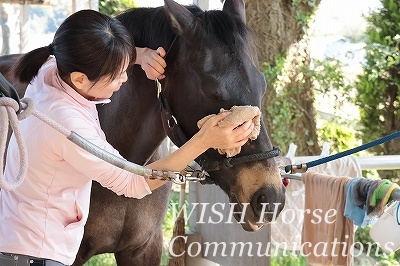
<point>304,128</point>
<point>277,24</point>
<point>276,28</point>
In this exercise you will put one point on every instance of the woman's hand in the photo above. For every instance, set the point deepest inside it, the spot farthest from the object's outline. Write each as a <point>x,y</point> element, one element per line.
<point>234,136</point>
<point>152,62</point>
<point>209,136</point>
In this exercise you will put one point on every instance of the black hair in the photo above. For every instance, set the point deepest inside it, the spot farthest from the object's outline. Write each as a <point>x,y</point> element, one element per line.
<point>88,42</point>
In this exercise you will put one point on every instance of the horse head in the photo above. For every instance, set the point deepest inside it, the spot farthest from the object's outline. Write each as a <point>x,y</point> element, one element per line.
<point>210,66</point>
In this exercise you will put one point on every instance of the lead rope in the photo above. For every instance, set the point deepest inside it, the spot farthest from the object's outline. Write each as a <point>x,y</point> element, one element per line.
<point>302,168</point>
<point>8,115</point>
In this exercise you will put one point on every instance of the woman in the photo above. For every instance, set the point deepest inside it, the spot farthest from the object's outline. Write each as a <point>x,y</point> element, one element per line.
<point>43,219</point>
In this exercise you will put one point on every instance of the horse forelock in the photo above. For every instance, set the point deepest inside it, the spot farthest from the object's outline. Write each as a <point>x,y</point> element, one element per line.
<point>150,27</point>
<point>231,31</point>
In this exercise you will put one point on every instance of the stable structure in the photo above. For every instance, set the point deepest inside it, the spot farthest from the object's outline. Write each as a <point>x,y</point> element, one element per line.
<point>23,23</point>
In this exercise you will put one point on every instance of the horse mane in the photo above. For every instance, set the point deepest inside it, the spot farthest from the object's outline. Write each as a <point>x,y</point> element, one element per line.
<point>217,26</point>
<point>231,31</point>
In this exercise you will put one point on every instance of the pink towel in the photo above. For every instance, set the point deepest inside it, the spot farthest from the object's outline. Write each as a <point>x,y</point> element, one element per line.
<point>327,236</point>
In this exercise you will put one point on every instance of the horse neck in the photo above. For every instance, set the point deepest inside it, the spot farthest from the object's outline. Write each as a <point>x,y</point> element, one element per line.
<point>132,120</point>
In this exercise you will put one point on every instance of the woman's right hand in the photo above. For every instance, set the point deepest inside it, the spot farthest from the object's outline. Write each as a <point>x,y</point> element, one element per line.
<point>231,137</point>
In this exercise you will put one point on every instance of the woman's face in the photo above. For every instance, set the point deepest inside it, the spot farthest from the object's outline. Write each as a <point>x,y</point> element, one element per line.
<point>104,88</point>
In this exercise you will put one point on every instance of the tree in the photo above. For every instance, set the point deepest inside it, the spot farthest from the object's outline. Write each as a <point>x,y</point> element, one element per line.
<point>379,85</point>
<point>278,24</point>
<point>289,114</point>
<point>114,7</point>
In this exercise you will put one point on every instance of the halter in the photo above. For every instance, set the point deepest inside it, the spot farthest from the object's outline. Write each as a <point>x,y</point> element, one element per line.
<point>178,137</point>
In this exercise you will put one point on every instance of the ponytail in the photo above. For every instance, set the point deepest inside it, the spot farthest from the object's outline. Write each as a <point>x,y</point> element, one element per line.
<point>88,42</point>
<point>27,67</point>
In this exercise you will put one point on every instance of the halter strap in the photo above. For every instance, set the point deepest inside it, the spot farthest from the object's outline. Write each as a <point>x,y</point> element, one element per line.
<point>7,90</point>
<point>210,166</point>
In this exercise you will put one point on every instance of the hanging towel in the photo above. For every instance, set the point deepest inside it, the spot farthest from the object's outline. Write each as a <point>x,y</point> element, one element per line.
<point>286,231</point>
<point>345,166</point>
<point>363,190</point>
<point>239,115</point>
<point>327,235</point>
<point>351,210</point>
<point>372,195</point>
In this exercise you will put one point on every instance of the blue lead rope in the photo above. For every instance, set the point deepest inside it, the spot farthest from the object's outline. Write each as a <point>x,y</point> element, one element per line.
<point>301,168</point>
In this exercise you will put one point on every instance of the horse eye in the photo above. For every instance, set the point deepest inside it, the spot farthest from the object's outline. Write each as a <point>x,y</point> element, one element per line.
<point>213,91</point>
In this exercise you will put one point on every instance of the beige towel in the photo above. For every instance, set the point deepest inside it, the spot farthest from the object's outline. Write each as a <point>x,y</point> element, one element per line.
<point>239,115</point>
<point>326,241</point>
<point>287,230</point>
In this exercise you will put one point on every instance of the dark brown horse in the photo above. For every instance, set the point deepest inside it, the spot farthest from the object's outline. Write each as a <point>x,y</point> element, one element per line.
<point>210,66</point>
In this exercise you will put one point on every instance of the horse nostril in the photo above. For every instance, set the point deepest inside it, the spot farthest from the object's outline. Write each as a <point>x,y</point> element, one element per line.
<point>266,200</point>
<point>259,201</point>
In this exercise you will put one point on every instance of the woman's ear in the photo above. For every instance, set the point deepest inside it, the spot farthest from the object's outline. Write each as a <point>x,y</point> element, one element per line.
<point>79,80</point>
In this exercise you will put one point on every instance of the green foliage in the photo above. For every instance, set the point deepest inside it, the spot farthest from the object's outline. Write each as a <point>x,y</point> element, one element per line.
<point>338,135</point>
<point>329,85</point>
<point>280,110</point>
<point>379,86</point>
<point>114,7</point>
<point>378,89</point>
<point>288,259</point>
<point>304,15</point>
<point>328,76</point>
<point>106,259</point>
<point>168,224</point>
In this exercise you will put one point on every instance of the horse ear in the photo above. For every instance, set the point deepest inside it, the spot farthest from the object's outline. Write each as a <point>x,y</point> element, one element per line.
<point>235,8</point>
<point>181,19</point>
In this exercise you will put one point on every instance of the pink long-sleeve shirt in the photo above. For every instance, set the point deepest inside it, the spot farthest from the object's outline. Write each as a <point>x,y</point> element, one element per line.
<point>45,216</point>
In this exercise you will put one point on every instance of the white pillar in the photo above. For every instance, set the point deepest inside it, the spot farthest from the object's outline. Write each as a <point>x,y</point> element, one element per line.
<point>23,27</point>
<point>203,4</point>
<point>84,4</point>
<point>77,5</point>
<point>94,4</point>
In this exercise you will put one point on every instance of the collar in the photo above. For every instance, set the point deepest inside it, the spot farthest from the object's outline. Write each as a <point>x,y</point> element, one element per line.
<point>56,81</point>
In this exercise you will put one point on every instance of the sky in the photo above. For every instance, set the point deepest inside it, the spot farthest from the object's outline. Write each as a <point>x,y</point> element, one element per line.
<point>338,15</point>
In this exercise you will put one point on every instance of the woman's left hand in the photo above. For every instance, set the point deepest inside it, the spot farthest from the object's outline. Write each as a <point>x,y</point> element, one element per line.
<point>229,137</point>
<point>152,62</point>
